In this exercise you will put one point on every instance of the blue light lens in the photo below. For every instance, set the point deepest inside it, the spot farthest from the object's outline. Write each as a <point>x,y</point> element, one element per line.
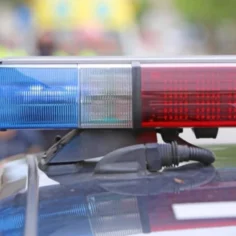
<point>39,97</point>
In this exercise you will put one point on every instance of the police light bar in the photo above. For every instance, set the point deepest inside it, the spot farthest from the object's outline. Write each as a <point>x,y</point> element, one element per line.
<point>117,93</point>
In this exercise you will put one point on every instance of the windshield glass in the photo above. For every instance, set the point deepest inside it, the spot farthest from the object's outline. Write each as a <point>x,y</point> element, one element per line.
<point>71,204</point>
<point>13,175</point>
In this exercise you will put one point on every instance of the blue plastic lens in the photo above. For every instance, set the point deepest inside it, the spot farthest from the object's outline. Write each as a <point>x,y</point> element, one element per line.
<point>39,97</point>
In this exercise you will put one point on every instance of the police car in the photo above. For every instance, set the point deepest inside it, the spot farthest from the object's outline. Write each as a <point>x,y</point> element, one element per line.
<point>125,168</point>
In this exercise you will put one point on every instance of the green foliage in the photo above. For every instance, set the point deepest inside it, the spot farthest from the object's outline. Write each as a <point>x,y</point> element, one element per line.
<point>207,11</point>
<point>14,2</point>
<point>141,6</point>
<point>225,154</point>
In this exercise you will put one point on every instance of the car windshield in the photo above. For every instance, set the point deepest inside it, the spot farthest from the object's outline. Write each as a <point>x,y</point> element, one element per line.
<point>76,202</point>
<point>117,117</point>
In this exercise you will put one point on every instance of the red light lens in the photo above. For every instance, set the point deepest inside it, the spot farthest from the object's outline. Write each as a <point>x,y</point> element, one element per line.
<point>189,95</point>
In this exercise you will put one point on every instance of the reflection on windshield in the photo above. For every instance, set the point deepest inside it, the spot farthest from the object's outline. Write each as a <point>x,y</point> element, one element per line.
<point>13,175</point>
<point>113,207</point>
<point>113,214</point>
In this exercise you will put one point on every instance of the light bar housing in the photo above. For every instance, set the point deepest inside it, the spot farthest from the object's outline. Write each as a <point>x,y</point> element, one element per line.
<point>117,93</point>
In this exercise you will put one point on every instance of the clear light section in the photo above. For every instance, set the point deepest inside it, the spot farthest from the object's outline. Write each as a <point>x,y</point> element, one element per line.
<point>39,97</point>
<point>106,96</point>
<point>189,95</point>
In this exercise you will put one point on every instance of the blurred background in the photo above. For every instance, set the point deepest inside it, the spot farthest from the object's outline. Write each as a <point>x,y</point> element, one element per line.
<point>116,27</point>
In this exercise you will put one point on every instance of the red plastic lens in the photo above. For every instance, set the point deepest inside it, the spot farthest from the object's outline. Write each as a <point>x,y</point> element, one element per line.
<point>189,95</point>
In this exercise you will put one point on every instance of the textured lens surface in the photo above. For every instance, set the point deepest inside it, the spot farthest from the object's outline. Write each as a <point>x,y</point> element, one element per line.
<point>189,95</point>
<point>39,97</point>
<point>106,96</point>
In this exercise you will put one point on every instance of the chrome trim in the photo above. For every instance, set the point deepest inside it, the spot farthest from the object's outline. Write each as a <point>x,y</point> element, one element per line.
<point>47,66</point>
<point>120,60</point>
<point>31,218</point>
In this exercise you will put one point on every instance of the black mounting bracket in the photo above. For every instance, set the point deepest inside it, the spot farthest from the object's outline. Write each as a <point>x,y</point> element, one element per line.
<point>72,150</point>
<point>206,132</point>
<point>172,134</point>
<point>169,134</point>
<point>80,145</point>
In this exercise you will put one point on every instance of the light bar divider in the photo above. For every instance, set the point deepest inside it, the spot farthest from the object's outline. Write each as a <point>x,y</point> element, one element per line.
<point>136,95</point>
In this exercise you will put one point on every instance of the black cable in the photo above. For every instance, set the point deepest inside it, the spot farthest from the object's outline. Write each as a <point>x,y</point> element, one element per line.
<point>151,157</point>
<point>172,154</point>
